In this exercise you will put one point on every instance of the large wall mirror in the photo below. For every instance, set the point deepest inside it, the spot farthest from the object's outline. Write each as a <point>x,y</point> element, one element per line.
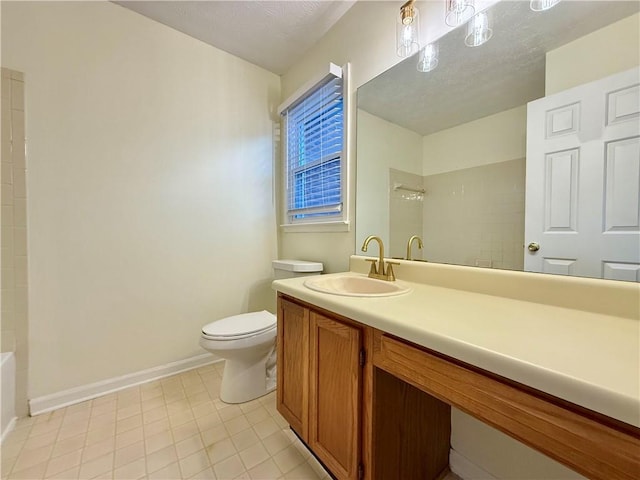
<point>522,153</point>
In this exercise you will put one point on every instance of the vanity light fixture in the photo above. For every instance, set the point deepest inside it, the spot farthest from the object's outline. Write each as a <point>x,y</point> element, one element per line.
<point>408,30</point>
<point>479,30</point>
<point>428,59</point>
<point>542,5</point>
<point>458,12</point>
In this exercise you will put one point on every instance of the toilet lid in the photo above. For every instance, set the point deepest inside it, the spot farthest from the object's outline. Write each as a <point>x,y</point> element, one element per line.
<point>240,325</point>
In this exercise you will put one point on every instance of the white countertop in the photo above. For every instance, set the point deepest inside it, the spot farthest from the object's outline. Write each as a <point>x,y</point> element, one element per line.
<point>587,358</point>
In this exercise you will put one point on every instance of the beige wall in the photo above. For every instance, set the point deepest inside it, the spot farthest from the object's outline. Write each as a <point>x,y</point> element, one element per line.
<point>607,51</point>
<point>383,145</point>
<point>493,139</point>
<point>150,188</point>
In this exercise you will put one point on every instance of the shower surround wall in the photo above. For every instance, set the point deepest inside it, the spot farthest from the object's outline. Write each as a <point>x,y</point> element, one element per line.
<point>14,231</point>
<point>472,216</point>
<point>475,216</point>
<point>405,212</point>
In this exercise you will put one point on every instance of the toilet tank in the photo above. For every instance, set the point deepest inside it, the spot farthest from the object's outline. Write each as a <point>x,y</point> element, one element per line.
<point>295,268</point>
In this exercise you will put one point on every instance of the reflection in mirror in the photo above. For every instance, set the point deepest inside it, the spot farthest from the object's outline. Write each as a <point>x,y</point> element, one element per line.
<point>531,138</point>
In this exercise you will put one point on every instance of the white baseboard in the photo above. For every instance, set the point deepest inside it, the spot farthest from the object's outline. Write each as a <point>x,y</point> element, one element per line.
<point>57,400</point>
<point>10,426</point>
<point>465,469</point>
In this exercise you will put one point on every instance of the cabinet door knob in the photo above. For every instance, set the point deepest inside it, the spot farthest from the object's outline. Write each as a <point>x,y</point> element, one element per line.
<point>533,247</point>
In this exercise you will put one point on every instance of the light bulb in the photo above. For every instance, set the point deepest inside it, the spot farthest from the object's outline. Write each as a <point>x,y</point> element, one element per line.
<point>478,30</point>
<point>542,5</point>
<point>458,12</point>
<point>428,58</point>
<point>407,33</point>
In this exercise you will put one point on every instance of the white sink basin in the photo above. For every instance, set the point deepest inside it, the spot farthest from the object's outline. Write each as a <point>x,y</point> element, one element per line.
<point>354,285</point>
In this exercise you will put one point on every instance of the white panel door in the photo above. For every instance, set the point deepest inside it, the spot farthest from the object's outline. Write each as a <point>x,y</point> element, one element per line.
<point>583,180</point>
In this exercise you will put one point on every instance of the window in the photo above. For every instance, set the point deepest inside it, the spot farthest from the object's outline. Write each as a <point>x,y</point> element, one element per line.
<point>314,125</point>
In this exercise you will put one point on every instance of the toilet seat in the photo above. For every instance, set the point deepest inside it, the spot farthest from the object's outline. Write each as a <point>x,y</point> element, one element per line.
<point>240,326</point>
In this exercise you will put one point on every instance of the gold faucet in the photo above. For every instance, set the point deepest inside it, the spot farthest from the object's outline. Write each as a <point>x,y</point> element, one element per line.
<point>410,242</point>
<point>379,271</point>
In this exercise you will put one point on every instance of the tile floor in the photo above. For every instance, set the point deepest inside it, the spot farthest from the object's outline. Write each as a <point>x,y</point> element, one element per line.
<point>173,428</point>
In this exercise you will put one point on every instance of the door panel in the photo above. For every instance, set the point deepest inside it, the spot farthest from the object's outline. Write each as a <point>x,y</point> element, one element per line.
<point>335,389</point>
<point>293,365</point>
<point>583,180</point>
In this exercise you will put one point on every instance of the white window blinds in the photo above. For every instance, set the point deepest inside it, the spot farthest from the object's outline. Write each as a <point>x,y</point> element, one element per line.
<point>314,127</point>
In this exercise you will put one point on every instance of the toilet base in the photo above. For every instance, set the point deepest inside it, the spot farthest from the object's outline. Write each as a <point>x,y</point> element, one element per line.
<point>242,383</point>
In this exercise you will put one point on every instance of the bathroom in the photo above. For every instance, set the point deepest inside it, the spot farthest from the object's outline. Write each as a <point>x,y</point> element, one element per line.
<point>153,202</point>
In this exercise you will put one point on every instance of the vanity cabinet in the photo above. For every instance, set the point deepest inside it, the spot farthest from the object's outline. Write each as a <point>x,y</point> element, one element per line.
<point>374,406</point>
<point>320,360</point>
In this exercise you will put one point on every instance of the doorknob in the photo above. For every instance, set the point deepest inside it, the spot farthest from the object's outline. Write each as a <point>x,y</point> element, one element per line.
<point>533,247</point>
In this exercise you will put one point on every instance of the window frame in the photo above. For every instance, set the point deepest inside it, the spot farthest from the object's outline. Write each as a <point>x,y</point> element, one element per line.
<point>334,223</point>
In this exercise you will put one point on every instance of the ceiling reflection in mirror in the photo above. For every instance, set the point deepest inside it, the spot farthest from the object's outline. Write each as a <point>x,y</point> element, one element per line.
<point>521,154</point>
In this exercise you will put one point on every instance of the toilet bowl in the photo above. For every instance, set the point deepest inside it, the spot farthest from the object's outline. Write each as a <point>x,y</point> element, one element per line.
<point>247,343</point>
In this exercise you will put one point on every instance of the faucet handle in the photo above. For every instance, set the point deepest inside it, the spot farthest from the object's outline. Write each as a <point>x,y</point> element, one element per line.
<point>389,273</point>
<point>374,269</point>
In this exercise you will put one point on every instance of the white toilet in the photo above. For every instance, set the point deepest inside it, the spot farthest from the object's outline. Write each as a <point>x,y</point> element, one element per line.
<point>247,342</point>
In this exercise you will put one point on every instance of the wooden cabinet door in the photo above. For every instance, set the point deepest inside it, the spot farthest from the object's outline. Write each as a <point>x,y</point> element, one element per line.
<point>293,365</point>
<point>335,393</point>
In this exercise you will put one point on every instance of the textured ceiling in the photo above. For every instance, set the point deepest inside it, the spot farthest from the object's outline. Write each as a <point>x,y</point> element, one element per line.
<point>471,83</point>
<point>271,34</point>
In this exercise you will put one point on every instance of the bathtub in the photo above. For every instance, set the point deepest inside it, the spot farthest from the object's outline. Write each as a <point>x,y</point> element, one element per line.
<point>7,392</point>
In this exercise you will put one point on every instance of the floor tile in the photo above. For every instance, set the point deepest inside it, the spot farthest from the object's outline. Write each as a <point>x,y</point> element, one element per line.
<point>34,472</point>
<point>257,415</point>
<point>98,449</point>
<point>158,441</point>
<point>253,455</point>
<point>63,462</point>
<point>170,472</point>
<point>206,474</point>
<point>230,468</point>
<point>276,442</point>
<point>97,466</point>
<point>161,458</point>
<point>66,475</point>
<point>100,434</point>
<point>288,459</point>
<point>130,437</point>
<point>30,458</point>
<point>221,450</point>
<point>266,427</point>
<point>244,439</point>
<point>194,463</point>
<point>68,445</point>
<point>129,423</point>
<point>39,441</point>
<point>154,415</point>
<point>189,445</point>
<point>266,470</point>
<point>214,435</point>
<point>302,472</point>
<point>185,431</point>
<point>128,454</point>
<point>156,427</point>
<point>135,469</point>
<point>236,425</point>
<point>173,428</point>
